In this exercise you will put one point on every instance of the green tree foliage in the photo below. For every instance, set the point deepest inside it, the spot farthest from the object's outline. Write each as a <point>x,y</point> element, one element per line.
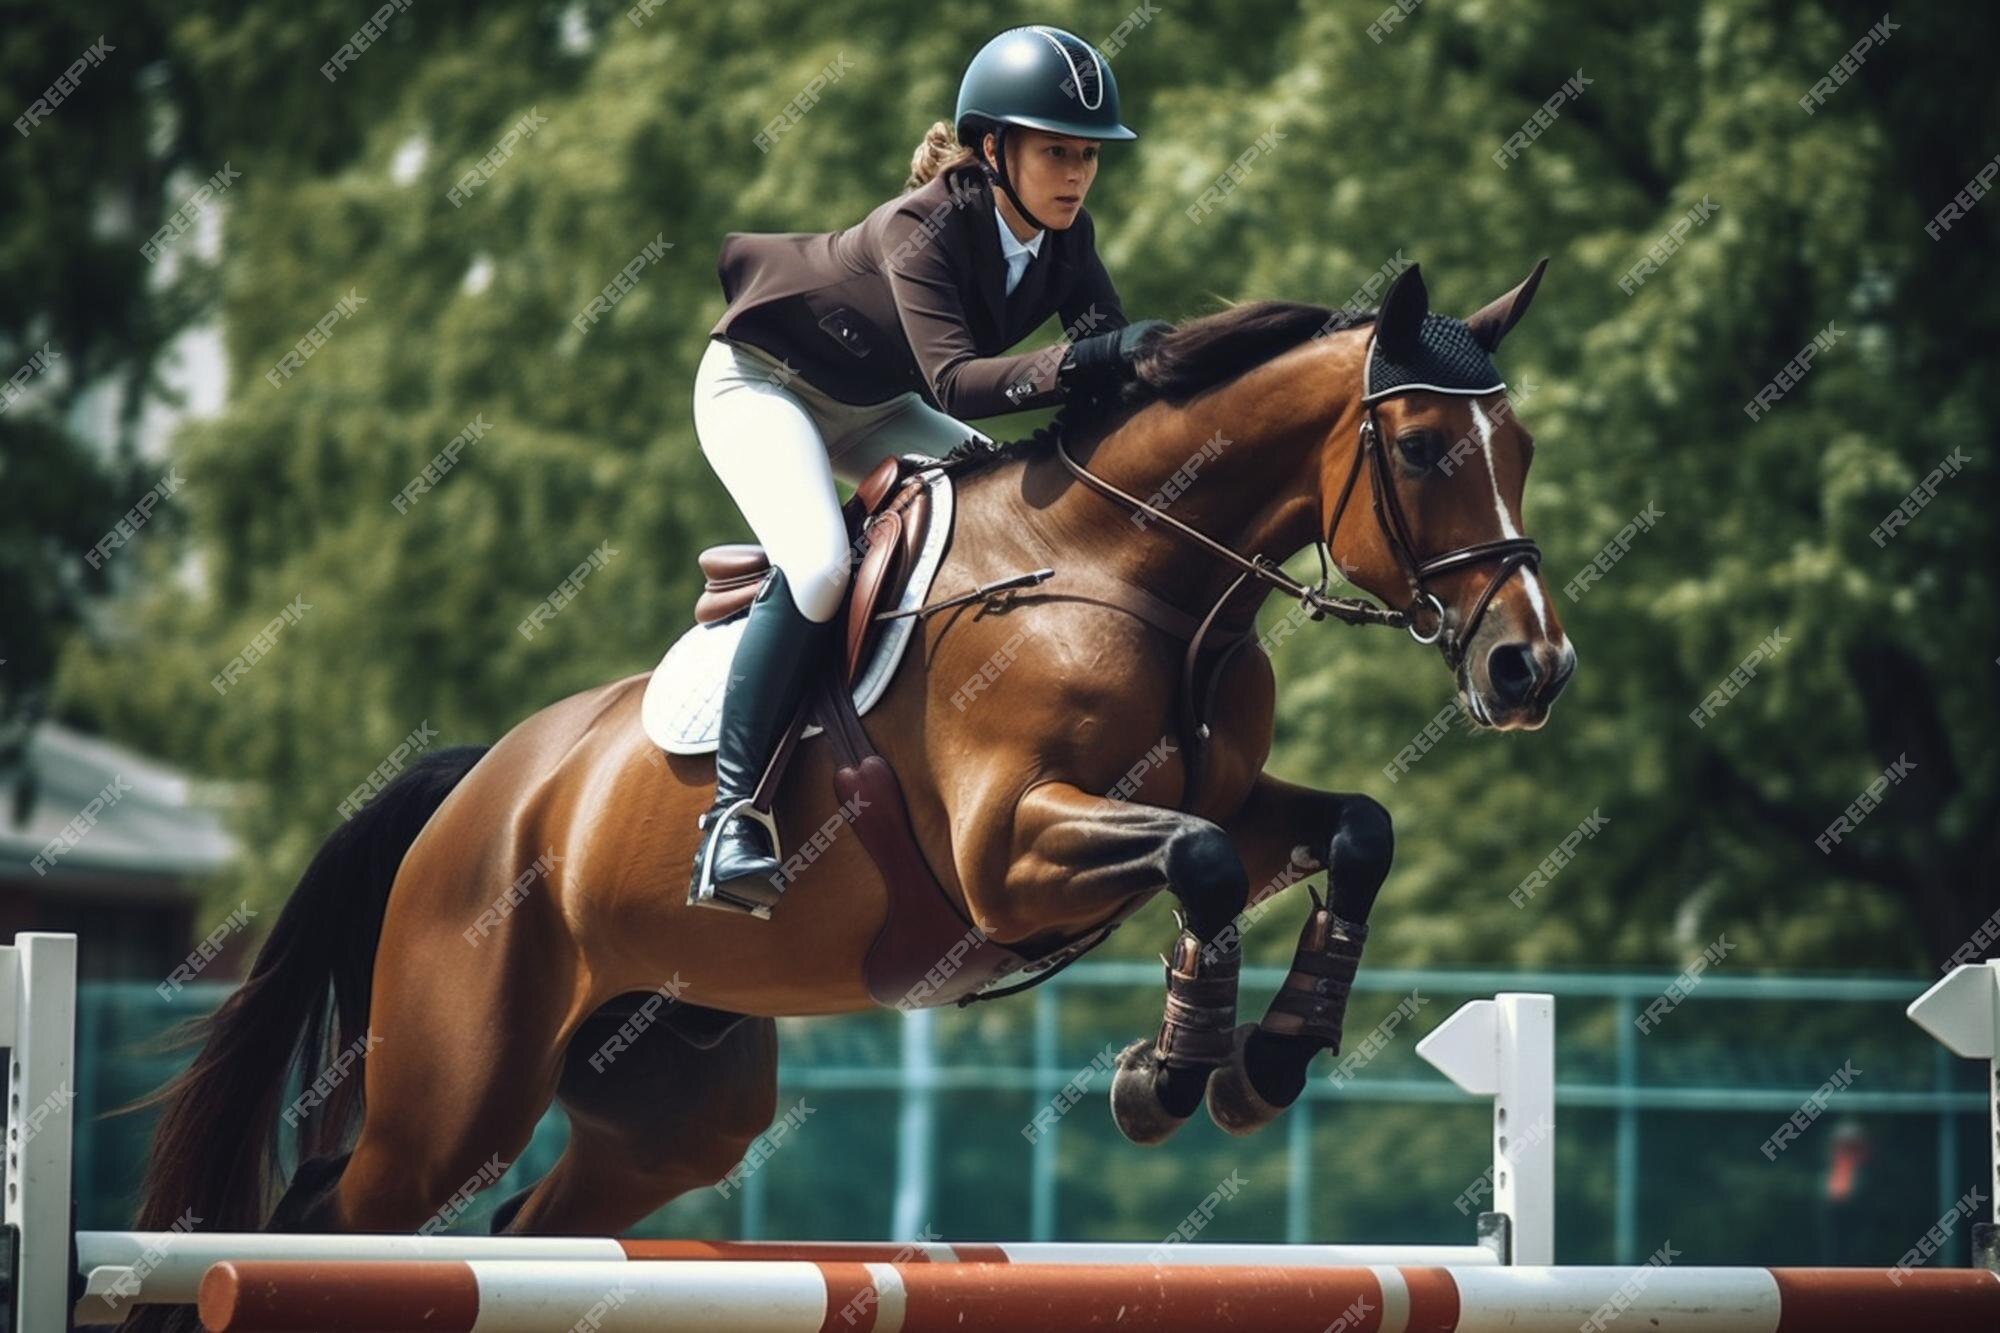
<point>79,190</point>
<point>647,131</point>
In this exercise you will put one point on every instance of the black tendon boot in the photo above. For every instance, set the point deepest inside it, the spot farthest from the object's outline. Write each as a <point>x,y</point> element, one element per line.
<point>737,867</point>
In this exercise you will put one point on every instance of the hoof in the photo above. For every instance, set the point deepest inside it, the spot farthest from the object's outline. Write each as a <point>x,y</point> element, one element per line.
<point>1233,1103</point>
<point>1135,1098</point>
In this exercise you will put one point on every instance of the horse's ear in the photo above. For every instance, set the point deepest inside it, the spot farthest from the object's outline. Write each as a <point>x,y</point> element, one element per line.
<point>1399,324</point>
<point>1490,325</point>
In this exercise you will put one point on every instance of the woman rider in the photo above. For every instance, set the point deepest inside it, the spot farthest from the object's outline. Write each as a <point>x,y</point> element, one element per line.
<point>839,349</point>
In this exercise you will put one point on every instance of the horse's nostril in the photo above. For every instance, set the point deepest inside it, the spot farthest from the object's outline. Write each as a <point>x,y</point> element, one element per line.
<point>1565,668</point>
<point>1512,670</point>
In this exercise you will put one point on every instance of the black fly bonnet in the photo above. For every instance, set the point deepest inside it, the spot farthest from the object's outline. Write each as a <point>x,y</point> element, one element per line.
<point>1446,358</point>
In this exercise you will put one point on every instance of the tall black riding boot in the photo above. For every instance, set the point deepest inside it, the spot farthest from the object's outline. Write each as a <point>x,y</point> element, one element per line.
<point>737,868</point>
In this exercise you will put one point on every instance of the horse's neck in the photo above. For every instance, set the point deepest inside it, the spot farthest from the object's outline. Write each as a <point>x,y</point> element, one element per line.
<point>1254,490</point>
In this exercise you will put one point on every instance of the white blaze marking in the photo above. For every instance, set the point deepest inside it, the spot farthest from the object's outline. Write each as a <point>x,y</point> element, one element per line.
<point>1530,579</point>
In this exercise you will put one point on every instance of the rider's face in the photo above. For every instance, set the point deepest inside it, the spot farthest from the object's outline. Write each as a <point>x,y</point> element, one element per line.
<point>1051,172</point>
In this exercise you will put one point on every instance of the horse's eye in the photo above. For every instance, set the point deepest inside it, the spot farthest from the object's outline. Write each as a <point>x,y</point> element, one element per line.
<point>1421,449</point>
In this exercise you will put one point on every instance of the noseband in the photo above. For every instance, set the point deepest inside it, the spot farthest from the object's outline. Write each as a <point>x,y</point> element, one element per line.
<point>1370,449</point>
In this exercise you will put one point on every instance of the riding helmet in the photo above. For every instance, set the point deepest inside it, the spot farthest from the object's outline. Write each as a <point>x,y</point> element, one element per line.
<point>1041,78</point>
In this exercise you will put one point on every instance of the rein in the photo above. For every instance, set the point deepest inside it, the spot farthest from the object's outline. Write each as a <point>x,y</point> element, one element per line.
<point>1351,610</point>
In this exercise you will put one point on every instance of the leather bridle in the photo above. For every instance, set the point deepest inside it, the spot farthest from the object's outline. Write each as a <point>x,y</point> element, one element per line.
<point>1372,451</point>
<point>1512,552</point>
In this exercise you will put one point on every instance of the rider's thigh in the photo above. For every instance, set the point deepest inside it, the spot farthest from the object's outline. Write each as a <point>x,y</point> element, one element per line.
<point>914,428</point>
<point>768,451</point>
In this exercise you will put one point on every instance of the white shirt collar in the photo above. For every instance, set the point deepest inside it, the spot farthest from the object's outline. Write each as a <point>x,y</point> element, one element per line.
<point>1009,244</point>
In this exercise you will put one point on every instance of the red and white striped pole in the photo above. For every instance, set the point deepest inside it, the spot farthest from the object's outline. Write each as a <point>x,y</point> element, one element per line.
<point>127,1268</point>
<point>528,1296</point>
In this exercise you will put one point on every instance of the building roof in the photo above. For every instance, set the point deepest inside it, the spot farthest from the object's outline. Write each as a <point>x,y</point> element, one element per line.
<point>154,819</point>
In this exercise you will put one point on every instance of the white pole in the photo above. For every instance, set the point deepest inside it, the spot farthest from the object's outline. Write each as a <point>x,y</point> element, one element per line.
<point>910,1212</point>
<point>1963,1012</point>
<point>38,1020</point>
<point>1505,1048</point>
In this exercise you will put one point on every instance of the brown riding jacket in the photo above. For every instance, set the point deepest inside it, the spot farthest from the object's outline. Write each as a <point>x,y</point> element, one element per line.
<point>914,296</point>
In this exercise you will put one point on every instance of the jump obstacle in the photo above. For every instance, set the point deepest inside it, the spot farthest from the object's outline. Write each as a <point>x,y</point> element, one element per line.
<point>1502,1049</point>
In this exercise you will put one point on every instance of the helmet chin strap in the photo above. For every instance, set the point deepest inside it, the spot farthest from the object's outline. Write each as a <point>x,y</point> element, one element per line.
<point>999,175</point>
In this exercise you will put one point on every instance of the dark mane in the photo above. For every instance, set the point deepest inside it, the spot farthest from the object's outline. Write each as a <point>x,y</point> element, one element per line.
<point>1214,349</point>
<point>1193,357</point>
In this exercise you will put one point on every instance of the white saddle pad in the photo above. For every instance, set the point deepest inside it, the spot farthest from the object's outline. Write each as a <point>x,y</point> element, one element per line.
<point>682,711</point>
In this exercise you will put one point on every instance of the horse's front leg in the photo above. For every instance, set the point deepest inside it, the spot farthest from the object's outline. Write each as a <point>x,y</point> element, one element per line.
<point>1077,856</point>
<point>1284,833</point>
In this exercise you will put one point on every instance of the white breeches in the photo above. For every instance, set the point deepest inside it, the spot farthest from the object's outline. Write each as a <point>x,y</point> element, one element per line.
<point>778,443</point>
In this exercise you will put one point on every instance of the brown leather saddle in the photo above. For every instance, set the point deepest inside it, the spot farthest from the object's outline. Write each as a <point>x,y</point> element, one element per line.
<point>927,951</point>
<point>890,512</point>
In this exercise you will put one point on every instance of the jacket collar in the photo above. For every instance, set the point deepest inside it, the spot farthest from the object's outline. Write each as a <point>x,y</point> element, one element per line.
<point>1009,246</point>
<point>992,263</point>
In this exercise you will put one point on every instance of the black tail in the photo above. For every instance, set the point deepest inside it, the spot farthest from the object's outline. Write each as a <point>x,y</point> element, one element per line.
<point>215,1150</point>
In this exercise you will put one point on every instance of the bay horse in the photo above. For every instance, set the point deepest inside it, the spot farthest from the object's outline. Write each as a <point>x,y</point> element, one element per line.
<point>583,833</point>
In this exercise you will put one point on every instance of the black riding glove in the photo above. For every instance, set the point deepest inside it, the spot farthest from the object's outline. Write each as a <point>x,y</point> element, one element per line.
<point>1103,361</point>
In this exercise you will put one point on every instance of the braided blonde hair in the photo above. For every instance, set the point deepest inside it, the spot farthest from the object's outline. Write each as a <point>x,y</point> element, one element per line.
<point>940,151</point>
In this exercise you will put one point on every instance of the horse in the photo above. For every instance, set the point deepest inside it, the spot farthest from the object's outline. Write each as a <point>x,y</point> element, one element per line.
<point>573,833</point>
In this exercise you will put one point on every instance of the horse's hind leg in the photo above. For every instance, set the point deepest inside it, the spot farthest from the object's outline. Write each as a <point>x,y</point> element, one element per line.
<point>651,1117</point>
<point>470,1031</point>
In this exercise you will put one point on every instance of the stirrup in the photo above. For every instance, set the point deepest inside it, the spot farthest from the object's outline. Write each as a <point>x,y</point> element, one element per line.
<point>753,896</point>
